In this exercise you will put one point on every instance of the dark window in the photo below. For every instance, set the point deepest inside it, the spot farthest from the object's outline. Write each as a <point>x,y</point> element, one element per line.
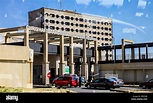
<point>52,21</point>
<point>62,17</point>
<point>67,23</point>
<point>57,16</point>
<point>57,22</point>
<point>81,19</point>
<point>52,27</point>
<point>67,17</point>
<point>52,15</point>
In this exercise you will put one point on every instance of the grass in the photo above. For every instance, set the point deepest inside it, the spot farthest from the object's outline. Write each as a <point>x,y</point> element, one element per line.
<point>33,90</point>
<point>10,90</point>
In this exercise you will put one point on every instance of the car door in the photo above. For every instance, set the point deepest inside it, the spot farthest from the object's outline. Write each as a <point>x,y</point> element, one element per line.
<point>150,83</point>
<point>59,81</point>
<point>95,83</point>
<point>66,81</point>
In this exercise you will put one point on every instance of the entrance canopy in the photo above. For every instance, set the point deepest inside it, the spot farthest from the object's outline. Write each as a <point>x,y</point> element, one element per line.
<point>36,34</point>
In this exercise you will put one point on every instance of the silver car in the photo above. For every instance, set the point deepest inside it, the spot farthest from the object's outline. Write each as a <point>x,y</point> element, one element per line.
<point>119,82</point>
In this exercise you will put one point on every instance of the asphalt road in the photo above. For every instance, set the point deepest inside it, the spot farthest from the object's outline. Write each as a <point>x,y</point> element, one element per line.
<point>83,89</point>
<point>116,90</point>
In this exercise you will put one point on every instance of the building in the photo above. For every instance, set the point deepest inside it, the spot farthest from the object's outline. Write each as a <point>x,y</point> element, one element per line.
<point>61,41</point>
<point>73,24</point>
<point>133,65</point>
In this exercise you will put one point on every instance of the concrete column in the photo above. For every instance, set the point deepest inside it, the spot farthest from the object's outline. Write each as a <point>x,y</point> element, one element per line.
<point>45,64</point>
<point>96,68</point>
<point>89,45</point>
<point>146,51</point>
<point>135,76</point>
<point>6,39</point>
<point>71,63</point>
<point>132,53</point>
<point>84,69</point>
<point>123,74</point>
<point>26,37</point>
<point>139,53</point>
<point>57,66</point>
<point>144,75</point>
<point>100,56</point>
<point>114,54</point>
<point>106,55</point>
<point>123,51</point>
<point>45,70</point>
<point>62,64</point>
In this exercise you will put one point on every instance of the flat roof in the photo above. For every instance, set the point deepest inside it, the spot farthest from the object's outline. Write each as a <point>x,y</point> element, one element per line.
<point>36,34</point>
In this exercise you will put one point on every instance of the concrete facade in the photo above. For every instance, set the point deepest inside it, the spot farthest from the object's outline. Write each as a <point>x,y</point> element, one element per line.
<point>74,23</point>
<point>129,72</point>
<point>133,67</point>
<point>16,66</point>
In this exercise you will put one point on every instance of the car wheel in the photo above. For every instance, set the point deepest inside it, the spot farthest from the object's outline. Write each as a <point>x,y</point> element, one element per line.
<point>88,86</point>
<point>69,85</point>
<point>144,87</point>
<point>54,85</point>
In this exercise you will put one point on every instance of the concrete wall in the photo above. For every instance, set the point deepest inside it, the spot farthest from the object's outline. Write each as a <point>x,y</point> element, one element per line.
<point>15,66</point>
<point>129,72</point>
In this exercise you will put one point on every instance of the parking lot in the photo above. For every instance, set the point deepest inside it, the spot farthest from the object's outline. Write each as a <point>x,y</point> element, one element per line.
<point>123,89</point>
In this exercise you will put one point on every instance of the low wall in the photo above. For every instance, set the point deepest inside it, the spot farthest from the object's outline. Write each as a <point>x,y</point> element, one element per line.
<point>16,66</point>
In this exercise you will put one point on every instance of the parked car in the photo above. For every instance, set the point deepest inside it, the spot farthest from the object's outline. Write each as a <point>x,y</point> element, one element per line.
<point>107,83</point>
<point>119,82</point>
<point>68,81</point>
<point>53,81</point>
<point>147,84</point>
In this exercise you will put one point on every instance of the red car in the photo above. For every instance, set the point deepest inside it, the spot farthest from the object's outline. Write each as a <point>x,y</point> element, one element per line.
<point>68,81</point>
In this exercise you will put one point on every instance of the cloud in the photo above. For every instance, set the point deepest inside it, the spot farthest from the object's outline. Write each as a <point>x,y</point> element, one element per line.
<point>129,24</point>
<point>23,0</point>
<point>106,3</point>
<point>85,2</point>
<point>5,15</point>
<point>139,14</point>
<point>142,4</point>
<point>109,3</point>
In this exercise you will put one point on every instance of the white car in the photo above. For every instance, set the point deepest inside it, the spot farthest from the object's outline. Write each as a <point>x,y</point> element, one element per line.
<point>119,82</point>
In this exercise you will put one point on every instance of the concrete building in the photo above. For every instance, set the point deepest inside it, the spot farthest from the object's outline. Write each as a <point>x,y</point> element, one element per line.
<point>73,24</point>
<point>56,41</point>
<point>133,65</point>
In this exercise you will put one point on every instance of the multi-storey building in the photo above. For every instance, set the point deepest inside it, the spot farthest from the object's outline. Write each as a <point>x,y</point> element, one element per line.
<point>74,23</point>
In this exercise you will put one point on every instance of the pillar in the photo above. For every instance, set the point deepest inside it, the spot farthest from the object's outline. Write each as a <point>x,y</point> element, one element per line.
<point>61,64</point>
<point>26,37</point>
<point>45,65</point>
<point>84,69</point>
<point>71,63</point>
<point>123,51</point>
<point>96,68</point>
<point>139,53</point>
<point>132,53</point>
<point>146,51</point>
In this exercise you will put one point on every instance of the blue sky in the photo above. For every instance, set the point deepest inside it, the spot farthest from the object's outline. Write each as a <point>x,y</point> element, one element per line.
<point>132,19</point>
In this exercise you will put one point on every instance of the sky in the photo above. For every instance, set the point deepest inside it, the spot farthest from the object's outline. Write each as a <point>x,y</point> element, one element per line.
<point>132,19</point>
